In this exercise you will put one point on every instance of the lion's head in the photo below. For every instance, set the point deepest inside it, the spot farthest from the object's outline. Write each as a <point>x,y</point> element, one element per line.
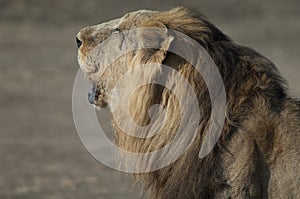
<point>179,19</point>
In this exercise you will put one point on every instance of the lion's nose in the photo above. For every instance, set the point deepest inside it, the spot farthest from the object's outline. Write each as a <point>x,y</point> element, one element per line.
<point>78,42</point>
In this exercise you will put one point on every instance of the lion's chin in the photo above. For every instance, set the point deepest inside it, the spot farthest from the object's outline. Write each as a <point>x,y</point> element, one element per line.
<point>101,103</point>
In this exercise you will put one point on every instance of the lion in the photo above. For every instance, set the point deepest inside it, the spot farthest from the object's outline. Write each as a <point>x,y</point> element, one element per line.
<point>258,152</point>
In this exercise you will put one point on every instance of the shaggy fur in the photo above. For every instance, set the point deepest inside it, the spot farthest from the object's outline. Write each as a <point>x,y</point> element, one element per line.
<point>257,155</point>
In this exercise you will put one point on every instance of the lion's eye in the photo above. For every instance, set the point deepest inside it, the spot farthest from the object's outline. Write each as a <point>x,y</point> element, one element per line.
<point>116,30</point>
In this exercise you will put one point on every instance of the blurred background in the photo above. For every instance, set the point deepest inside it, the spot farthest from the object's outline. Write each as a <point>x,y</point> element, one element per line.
<point>41,153</point>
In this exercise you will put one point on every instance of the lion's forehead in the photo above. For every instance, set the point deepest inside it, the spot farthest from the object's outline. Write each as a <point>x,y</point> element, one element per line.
<point>139,14</point>
<point>131,19</point>
<point>105,25</point>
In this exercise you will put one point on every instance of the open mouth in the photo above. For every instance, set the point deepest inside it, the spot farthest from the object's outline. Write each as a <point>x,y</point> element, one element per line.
<point>93,95</point>
<point>97,96</point>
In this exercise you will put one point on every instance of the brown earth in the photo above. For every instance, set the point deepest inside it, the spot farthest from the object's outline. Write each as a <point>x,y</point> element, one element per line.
<point>41,153</point>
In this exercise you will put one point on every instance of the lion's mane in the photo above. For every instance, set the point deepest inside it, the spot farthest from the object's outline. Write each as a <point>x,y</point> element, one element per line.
<point>257,155</point>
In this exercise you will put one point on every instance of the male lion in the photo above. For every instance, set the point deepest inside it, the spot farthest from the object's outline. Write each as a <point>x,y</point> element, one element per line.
<point>257,154</point>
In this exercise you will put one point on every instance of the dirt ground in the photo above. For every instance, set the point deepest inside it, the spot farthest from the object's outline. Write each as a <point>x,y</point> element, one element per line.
<point>41,153</point>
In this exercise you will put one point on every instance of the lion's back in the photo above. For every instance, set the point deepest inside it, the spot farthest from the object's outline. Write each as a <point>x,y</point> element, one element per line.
<point>284,176</point>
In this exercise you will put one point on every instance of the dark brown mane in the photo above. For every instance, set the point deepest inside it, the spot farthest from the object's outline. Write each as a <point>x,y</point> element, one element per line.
<point>254,90</point>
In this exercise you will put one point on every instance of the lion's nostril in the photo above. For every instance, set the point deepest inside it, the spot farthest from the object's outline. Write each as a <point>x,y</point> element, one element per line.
<point>79,43</point>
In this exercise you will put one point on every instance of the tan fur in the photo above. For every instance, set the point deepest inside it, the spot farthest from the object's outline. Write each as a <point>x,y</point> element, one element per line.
<point>257,155</point>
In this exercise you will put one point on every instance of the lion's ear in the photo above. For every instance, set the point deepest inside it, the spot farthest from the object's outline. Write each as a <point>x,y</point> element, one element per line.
<point>155,40</point>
